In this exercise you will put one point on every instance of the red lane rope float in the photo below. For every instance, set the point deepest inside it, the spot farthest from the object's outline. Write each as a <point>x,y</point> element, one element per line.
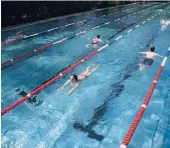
<point>11,41</point>
<point>27,54</point>
<point>51,81</point>
<point>139,115</point>
<point>20,57</point>
<point>56,28</point>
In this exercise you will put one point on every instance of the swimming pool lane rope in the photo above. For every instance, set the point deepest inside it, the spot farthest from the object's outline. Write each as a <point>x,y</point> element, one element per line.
<point>40,49</point>
<point>61,74</point>
<point>141,111</point>
<point>67,25</point>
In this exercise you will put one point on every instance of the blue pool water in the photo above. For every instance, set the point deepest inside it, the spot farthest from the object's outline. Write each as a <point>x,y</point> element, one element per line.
<point>100,111</point>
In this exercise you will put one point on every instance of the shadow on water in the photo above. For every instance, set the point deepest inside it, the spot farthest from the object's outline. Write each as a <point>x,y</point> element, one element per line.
<point>115,91</point>
<point>36,101</point>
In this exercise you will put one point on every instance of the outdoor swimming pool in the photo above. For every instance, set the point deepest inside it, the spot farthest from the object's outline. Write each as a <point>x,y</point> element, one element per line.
<point>100,111</point>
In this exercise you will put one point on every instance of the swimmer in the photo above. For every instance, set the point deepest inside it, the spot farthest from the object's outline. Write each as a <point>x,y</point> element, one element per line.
<point>159,10</point>
<point>75,80</point>
<point>19,35</point>
<point>164,23</point>
<point>81,23</point>
<point>8,41</point>
<point>95,42</point>
<point>149,58</point>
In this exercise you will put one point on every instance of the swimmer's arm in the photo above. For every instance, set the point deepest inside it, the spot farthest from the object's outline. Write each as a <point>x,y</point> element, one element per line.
<point>101,41</point>
<point>66,83</point>
<point>73,89</point>
<point>142,52</point>
<point>159,55</point>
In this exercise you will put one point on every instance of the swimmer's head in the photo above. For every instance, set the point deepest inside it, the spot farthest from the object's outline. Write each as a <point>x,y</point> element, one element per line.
<point>152,49</point>
<point>98,36</point>
<point>74,77</point>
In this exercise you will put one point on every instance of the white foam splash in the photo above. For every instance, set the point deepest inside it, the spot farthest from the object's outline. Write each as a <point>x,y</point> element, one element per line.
<point>61,126</point>
<point>41,145</point>
<point>19,139</point>
<point>164,23</point>
<point>3,140</point>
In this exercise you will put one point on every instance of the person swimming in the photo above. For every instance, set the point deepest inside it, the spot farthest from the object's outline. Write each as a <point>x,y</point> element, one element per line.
<point>75,80</point>
<point>19,35</point>
<point>81,23</point>
<point>160,10</point>
<point>149,58</point>
<point>95,41</point>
